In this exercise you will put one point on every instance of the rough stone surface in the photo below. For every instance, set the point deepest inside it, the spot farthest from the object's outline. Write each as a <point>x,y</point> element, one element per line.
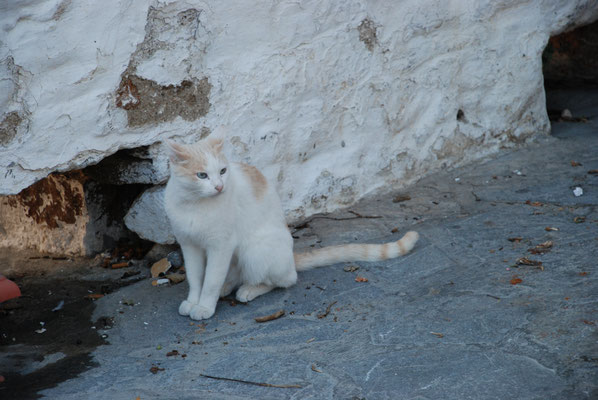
<point>450,320</point>
<point>148,218</point>
<point>331,100</point>
<point>65,215</point>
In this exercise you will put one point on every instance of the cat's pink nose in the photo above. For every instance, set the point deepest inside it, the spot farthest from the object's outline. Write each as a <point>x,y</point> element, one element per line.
<point>219,188</point>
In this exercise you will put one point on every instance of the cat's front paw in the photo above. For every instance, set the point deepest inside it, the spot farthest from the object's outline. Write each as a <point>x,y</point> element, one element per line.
<point>185,307</point>
<point>200,312</point>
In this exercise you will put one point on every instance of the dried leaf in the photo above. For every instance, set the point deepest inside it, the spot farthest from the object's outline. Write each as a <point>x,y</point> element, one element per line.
<point>94,296</point>
<point>172,353</point>
<point>541,248</point>
<point>120,265</point>
<point>361,279</point>
<point>584,273</point>
<point>175,278</point>
<point>270,317</point>
<point>534,203</point>
<point>575,164</point>
<point>155,370</point>
<point>579,220</point>
<point>550,228</point>
<point>593,172</point>
<point>515,239</point>
<point>400,198</point>
<point>439,335</point>
<point>527,261</point>
<point>313,368</point>
<point>516,281</point>
<point>160,267</point>
<point>394,230</point>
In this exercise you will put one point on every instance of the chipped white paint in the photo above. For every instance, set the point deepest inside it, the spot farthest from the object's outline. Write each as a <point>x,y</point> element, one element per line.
<point>332,100</point>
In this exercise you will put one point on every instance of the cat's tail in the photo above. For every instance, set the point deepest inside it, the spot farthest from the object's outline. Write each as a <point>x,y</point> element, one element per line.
<point>355,252</point>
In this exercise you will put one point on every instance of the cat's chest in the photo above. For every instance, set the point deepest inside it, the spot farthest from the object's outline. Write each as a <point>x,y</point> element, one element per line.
<point>201,223</point>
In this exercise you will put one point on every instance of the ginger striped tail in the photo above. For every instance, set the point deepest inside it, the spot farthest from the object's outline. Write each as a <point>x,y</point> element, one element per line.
<point>355,252</point>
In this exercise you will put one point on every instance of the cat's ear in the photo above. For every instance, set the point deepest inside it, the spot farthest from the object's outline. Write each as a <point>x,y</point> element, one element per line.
<point>177,153</point>
<point>216,144</point>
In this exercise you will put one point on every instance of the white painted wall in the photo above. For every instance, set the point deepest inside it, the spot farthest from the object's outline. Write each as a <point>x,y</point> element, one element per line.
<point>327,119</point>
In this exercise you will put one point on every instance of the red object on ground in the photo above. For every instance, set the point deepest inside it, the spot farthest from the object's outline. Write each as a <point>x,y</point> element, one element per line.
<point>8,289</point>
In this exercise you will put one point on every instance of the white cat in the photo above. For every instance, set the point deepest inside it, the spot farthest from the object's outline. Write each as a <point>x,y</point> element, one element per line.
<point>231,228</point>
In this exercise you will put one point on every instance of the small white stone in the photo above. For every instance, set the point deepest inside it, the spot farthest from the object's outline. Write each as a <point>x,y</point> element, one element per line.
<point>566,113</point>
<point>577,191</point>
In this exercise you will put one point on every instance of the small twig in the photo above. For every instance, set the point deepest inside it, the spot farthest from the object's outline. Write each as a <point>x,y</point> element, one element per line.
<point>251,383</point>
<point>357,215</point>
<point>363,216</point>
<point>325,314</point>
<point>494,297</point>
<point>271,317</point>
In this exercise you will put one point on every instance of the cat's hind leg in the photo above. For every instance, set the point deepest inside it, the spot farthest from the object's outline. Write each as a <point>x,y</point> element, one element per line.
<point>265,265</point>
<point>233,280</point>
<point>247,292</point>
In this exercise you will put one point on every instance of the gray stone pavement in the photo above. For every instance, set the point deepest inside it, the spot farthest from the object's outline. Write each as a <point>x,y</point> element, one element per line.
<point>455,319</point>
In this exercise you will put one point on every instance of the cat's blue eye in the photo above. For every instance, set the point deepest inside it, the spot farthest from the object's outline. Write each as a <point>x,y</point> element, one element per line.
<point>202,175</point>
<point>223,171</point>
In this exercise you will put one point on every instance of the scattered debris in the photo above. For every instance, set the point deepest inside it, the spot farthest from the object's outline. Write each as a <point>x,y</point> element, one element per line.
<point>585,321</point>
<point>251,383</point>
<point>175,278</point>
<point>351,268</point>
<point>94,296</point>
<point>400,198</point>
<point>541,248</point>
<point>534,203</point>
<point>516,281</point>
<point>438,335</point>
<point>158,282</point>
<point>394,230</point>
<point>154,369</point>
<point>457,179</point>
<point>121,265</point>
<point>579,220</point>
<point>566,114</point>
<point>575,164</point>
<point>172,353</point>
<point>583,273</point>
<point>517,172</point>
<point>160,267</point>
<point>325,314</point>
<point>527,261</point>
<point>361,279</point>
<point>593,172</point>
<point>515,239</point>
<point>42,329</point>
<point>175,258</point>
<point>129,274</point>
<point>494,297</point>
<point>313,368</point>
<point>310,340</point>
<point>59,306</point>
<point>159,347</point>
<point>550,228</point>
<point>270,317</point>
<point>577,191</point>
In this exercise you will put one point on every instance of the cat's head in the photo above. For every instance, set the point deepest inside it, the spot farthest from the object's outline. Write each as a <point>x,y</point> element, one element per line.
<point>200,168</point>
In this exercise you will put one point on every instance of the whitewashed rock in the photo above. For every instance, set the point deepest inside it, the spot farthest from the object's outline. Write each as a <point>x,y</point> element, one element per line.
<point>148,218</point>
<point>332,100</point>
